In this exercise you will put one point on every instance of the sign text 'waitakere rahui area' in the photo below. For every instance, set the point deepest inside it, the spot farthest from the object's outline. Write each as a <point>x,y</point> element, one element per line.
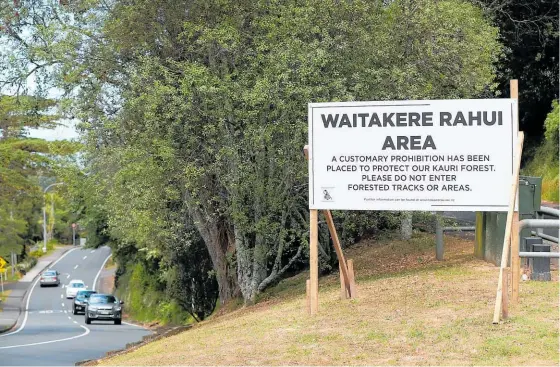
<point>435,155</point>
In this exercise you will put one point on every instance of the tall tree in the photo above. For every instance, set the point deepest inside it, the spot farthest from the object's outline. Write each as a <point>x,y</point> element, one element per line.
<point>194,111</point>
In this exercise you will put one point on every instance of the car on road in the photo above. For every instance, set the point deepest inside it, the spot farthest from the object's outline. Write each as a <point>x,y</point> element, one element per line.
<point>50,277</point>
<point>103,307</point>
<point>79,304</point>
<point>74,287</point>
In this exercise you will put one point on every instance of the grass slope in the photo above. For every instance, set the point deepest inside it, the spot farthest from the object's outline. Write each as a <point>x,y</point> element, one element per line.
<point>411,310</point>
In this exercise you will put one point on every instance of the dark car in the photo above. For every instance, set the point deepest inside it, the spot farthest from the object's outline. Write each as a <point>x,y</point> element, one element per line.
<point>79,304</point>
<point>103,307</point>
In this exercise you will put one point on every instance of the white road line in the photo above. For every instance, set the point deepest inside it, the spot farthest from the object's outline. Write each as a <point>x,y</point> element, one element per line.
<point>63,305</point>
<point>85,257</point>
<point>128,323</point>
<point>76,267</point>
<point>99,272</point>
<point>65,311</point>
<point>75,322</point>
<point>61,296</point>
<point>27,306</point>
<point>67,276</point>
<point>69,318</point>
<point>47,342</point>
<point>92,251</point>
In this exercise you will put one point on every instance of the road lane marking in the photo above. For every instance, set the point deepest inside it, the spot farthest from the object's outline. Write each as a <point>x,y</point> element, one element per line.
<point>49,341</point>
<point>99,272</point>
<point>131,324</point>
<point>29,299</point>
<point>76,267</point>
<point>75,322</point>
<point>65,311</point>
<point>85,257</point>
<point>92,251</point>
<point>69,318</point>
<point>67,276</point>
<point>63,304</point>
<point>61,296</point>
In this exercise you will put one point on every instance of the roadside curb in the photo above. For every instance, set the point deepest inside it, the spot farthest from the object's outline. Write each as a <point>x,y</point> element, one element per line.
<point>24,296</point>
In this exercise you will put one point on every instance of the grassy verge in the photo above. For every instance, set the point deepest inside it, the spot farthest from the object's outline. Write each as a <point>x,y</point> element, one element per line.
<point>3,296</point>
<point>410,310</point>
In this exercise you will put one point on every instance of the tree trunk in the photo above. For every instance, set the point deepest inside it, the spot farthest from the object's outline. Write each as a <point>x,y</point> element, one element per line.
<point>406,225</point>
<point>215,233</point>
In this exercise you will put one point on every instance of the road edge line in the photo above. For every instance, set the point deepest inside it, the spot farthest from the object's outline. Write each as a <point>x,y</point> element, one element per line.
<point>27,295</point>
<point>100,270</point>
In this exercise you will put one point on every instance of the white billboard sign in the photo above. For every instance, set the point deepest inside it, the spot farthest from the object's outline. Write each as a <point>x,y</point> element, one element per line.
<point>433,155</point>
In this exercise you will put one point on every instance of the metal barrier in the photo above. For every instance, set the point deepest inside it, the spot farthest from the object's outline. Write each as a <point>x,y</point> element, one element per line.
<point>541,213</point>
<point>538,224</point>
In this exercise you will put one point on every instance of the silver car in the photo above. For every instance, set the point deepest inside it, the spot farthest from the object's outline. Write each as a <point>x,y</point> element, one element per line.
<point>50,277</point>
<point>103,307</point>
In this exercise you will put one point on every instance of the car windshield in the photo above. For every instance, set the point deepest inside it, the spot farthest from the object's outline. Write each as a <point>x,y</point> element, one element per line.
<point>49,273</point>
<point>77,285</point>
<point>99,298</point>
<point>84,294</point>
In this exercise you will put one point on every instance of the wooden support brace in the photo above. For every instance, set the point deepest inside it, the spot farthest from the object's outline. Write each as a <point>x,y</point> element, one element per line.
<point>509,225</point>
<point>308,296</point>
<point>338,249</point>
<point>515,260</point>
<point>343,267</point>
<point>344,294</point>
<point>505,288</point>
<point>352,279</point>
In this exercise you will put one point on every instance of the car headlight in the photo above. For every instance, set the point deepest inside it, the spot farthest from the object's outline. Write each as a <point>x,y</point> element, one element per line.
<point>93,308</point>
<point>117,309</point>
<point>79,303</point>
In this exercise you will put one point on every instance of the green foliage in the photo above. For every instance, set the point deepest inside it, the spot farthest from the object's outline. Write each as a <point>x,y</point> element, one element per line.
<point>551,125</point>
<point>545,162</point>
<point>194,119</point>
<point>22,162</point>
<point>145,302</point>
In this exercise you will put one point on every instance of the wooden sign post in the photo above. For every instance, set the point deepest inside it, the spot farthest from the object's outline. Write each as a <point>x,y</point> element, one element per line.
<point>376,155</point>
<point>511,238</point>
<point>347,279</point>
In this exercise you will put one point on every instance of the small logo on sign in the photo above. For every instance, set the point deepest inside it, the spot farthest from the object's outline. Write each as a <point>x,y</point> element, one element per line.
<point>326,195</point>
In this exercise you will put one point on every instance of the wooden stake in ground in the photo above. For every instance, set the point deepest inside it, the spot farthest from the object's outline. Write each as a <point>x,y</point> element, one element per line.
<point>509,222</point>
<point>515,260</point>
<point>505,287</point>
<point>314,261</point>
<point>341,260</point>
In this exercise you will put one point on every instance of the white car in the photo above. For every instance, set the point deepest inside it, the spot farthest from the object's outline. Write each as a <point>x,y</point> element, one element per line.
<point>74,287</point>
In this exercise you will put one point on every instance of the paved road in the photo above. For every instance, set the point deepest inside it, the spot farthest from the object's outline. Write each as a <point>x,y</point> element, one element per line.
<point>49,335</point>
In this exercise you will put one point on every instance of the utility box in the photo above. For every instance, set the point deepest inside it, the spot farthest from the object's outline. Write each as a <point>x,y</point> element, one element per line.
<point>540,266</point>
<point>491,226</point>
<point>530,189</point>
<point>527,245</point>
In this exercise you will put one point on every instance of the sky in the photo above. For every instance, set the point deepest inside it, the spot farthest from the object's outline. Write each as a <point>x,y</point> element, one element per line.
<point>67,132</point>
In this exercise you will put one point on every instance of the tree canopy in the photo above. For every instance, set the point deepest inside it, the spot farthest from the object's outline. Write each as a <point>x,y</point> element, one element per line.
<point>193,115</point>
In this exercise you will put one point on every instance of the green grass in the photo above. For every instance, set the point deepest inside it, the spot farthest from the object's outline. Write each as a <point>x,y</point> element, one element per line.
<point>3,296</point>
<point>428,313</point>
